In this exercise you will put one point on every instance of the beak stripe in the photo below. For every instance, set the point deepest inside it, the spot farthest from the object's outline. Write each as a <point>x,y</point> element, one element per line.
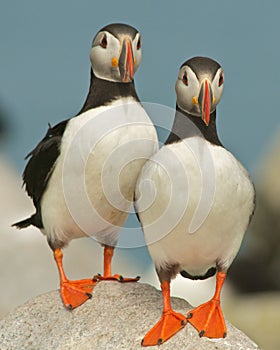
<point>206,104</point>
<point>129,61</point>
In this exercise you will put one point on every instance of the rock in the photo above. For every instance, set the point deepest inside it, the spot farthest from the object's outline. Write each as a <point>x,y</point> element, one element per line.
<point>117,317</point>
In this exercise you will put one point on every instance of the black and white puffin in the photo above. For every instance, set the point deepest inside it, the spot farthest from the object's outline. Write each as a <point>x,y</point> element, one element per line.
<point>194,201</point>
<point>82,175</point>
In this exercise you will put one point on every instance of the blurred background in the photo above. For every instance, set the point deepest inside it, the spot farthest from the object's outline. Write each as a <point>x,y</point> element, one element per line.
<point>44,77</point>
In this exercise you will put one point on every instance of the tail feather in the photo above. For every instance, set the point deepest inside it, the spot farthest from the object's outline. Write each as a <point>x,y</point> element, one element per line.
<point>34,220</point>
<point>24,223</point>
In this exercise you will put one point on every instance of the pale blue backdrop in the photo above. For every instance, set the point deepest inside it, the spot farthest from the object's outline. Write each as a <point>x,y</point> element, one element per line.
<point>44,64</point>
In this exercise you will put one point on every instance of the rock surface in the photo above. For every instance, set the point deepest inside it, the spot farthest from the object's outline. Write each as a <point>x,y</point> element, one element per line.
<point>117,317</point>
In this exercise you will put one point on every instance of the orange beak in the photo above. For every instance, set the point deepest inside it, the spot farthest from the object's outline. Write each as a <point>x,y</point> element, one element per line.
<point>204,100</point>
<point>126,65</point>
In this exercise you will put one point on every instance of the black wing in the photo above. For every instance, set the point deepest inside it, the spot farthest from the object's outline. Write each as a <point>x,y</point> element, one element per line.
<point>39,169</point>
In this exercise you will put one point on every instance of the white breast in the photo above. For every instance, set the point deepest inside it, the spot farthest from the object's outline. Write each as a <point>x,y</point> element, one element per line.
<point>194,200</point>
<point>91,189</point>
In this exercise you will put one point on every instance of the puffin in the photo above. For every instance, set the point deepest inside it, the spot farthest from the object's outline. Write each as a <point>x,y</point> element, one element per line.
<point>81,176</point>
<point>194,201</point>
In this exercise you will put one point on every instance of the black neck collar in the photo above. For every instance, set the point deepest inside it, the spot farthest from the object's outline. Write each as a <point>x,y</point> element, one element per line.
<point>186,125</point>
<point>101,92</point>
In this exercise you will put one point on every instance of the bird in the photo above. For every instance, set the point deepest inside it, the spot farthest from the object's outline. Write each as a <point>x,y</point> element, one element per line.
<point>81,176</point>
<point>194,201</point>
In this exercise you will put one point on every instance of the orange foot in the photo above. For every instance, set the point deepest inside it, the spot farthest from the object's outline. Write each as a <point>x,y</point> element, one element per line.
<point>75,293</point>
<point>208,319</point>
<point>116,277</point>
<point>169,324</point>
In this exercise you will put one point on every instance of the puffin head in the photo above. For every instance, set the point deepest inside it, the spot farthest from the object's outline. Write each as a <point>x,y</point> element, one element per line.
<point>116,53</point>
<point>199,87</point>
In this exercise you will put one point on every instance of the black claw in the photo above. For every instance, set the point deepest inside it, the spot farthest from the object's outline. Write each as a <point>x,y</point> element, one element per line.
<point>121,279</point>
<point>69,307</point>
<point>95,279</point>
<point>138,277</point>
<point>183,322</point>
<point>201,334</point>
<point>99,274</point>
<point>189,315</point>
<point>160,341</point>
<point>225,334</point>
<point>89,295</point>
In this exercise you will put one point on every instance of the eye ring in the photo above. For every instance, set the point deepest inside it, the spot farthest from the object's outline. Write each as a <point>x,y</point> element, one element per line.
<point>221,80</point>
<point>103,41</point>
<point>185,79</point>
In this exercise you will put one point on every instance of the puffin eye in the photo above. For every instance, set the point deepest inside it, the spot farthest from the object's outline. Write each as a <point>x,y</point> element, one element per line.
<point>185,79</point>
<point>103,42</point>
<point>139,44</point>
<point>221,80</point>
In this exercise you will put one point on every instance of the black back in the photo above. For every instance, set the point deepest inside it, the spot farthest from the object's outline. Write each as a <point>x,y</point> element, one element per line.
<point>41,162</point>
<point>39,169</point>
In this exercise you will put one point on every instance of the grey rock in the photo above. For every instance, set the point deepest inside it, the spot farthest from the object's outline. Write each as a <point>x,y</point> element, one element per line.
<point>117,317</point>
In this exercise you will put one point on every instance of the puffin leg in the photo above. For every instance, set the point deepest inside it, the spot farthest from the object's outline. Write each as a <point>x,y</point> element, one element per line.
<point>73,293</point>
<point>169,324</point>
<point>208,318</point>
<point>108,255</point>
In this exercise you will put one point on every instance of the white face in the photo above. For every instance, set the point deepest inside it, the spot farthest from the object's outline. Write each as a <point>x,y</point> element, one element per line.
<point>106,56</point>
<point>188,88</point>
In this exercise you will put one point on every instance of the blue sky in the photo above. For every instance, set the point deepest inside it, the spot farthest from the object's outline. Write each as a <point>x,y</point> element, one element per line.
<point>44,70</point>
